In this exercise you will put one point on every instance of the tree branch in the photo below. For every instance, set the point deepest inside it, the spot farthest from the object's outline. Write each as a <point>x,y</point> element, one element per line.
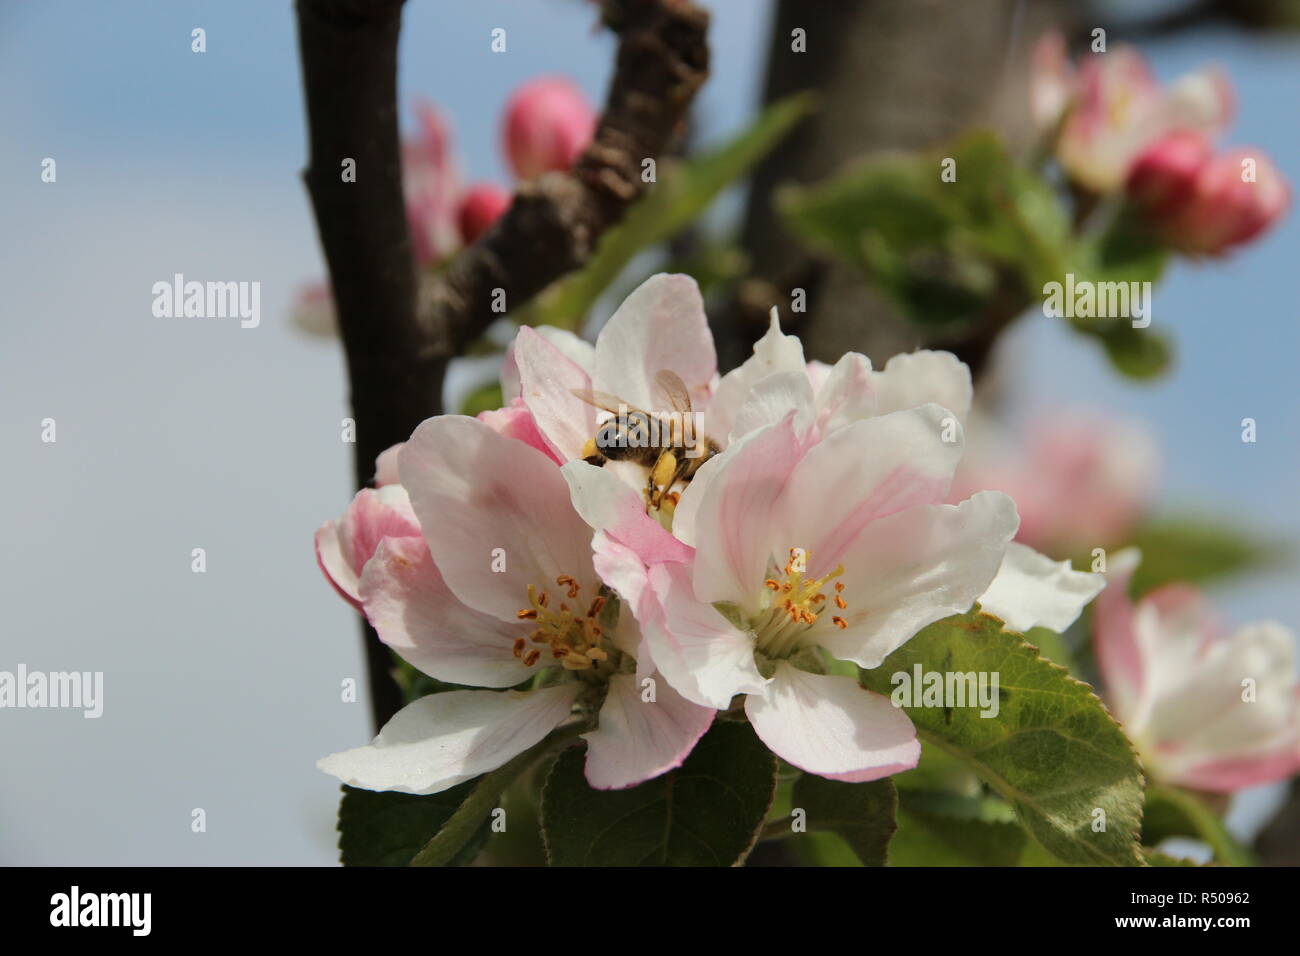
<point>349,67</point>
<point>556,220</point>
<point>398,340</point>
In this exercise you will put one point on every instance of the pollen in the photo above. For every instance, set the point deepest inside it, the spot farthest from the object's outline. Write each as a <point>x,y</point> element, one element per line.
<point>798,601</point>
<point>572,637</point>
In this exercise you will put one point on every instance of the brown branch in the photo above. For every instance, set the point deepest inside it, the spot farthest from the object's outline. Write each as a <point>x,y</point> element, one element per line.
<point>397,353</point>
<point>349,67</point>
<point>555,221</point>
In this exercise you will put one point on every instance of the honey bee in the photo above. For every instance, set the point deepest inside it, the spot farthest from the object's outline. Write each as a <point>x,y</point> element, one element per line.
<point>657,441</point>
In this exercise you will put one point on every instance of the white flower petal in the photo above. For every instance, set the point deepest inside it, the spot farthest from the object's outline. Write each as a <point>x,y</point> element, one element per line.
<point>771,400</point>
<point>848,394</point>
<point>445,739</point>
<point>913,568</point>
<point>661,325</point>
<point>918,378</point>
<point>700,653</point>
<point>1032,590</point>
<point>773,353</point>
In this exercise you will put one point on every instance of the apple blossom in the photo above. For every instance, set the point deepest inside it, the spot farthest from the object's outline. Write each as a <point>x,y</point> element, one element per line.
<point>1205,710</point>
<point>1079,480</point>
<point>344,546</point>
<point>431,184</point>
<point>1114,108</point>
<point>548,123</point>
<point>806,543</point>
<point>501,590</point>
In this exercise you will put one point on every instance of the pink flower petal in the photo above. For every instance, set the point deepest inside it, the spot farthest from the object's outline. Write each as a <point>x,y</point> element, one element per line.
<point>733,528</point>
<point>859,474</point>
<point>609,504</point>
<point>661,325</point>
<point>445,739</point>
<point>415,613</point>
<point>496,515</point>
<point>547,381</point>
<point>637,740</point>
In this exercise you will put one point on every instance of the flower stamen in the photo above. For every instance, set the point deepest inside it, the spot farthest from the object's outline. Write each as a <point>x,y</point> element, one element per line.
<point>781,632</point>
<point>573,638</point>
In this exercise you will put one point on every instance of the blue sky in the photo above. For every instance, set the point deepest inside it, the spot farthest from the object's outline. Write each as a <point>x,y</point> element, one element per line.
<point>223,688</point>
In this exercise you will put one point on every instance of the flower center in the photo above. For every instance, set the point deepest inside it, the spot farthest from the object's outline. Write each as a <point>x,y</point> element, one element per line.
<point>574,637</point>
<point>795,603</point>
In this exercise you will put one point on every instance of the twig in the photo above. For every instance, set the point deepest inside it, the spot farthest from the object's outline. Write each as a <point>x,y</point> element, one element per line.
<point>349,66</point>
<point>555,221</point>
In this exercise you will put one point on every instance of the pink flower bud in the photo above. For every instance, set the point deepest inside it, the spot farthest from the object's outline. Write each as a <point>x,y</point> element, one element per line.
<point>1202,203</point>
<point>1163,178</point>
<point>548,123</point>
<point>480,206</point>
<point>1237,197</point>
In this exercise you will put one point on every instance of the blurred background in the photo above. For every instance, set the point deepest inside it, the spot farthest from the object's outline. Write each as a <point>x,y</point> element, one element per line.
<point>223,688</point>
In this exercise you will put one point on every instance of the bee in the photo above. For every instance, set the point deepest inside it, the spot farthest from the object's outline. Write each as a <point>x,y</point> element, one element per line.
<point>654,441</point>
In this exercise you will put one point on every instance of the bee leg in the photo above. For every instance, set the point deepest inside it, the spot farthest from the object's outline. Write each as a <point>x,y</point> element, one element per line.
<point>663,475</point>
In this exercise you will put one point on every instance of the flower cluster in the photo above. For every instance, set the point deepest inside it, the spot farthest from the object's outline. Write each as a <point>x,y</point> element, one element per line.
<point>642,591</point>
<point>1116,128</point>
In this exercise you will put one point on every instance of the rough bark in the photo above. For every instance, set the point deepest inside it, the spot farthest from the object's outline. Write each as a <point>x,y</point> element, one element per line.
<point>889,75</point>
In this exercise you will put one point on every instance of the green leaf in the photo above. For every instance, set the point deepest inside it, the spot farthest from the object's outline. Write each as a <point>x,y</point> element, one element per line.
<point>1051,646</point>
<point>861,813</point>
<point>1140,354</point>
<point>485,398</point>
<point>1006,211</point>
<point>384,828</point>
<point>939,770</point>
<point>707,812</point>
<point>1052,751</point>
<point>448,844</point>
<point>1174,812</point>
<point>1197,550</point>
<point>944,251</point>
<point>1125,251</point>
<point>683,191</point>
<point>944,829</point>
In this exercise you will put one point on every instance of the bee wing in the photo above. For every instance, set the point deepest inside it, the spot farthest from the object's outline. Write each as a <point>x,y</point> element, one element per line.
<point>603,400</point>
<point>675,389</point>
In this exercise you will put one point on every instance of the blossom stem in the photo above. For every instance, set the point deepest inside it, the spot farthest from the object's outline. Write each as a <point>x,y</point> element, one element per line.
<point>469,816</point>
